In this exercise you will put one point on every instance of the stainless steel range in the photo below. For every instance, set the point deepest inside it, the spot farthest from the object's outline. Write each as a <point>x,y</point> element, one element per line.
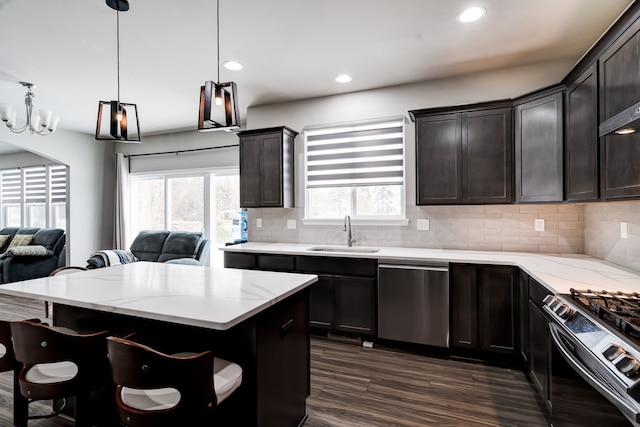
<point>598,334</point>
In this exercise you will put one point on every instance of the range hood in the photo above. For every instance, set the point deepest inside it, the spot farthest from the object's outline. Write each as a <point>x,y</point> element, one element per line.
<point>624,123</point>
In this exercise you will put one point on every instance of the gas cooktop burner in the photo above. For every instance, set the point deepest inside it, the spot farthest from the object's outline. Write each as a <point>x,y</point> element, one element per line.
<point>617,308</point>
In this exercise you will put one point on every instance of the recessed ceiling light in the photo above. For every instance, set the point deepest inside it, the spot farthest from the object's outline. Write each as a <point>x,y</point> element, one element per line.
<point>343,78</point>
<point>472,14</point>
<point>232,65</point>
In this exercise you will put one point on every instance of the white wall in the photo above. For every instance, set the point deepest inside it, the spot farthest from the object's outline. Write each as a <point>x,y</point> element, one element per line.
<point>90,185</point>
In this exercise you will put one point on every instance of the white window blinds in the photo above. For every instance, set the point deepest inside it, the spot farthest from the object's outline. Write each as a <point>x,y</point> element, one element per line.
<point>11,186</point>
<point>58,183</point>
<point>357,155</point>
<point>35,185</point>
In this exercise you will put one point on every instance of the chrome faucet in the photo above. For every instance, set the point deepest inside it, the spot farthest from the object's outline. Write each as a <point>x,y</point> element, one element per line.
<point>347,228</point>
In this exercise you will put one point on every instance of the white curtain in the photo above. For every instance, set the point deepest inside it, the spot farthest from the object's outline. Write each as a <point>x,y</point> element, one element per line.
<point>121,229</point>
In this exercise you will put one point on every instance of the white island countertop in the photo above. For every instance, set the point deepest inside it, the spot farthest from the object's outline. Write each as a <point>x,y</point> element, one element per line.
<point>559,273</point>
<point>214,298</point>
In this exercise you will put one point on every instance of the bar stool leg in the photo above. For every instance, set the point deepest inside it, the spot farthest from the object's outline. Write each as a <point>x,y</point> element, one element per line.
<point>20,403</point>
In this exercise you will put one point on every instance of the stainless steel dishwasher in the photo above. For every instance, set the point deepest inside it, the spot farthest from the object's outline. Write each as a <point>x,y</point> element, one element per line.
<point>413,303</point>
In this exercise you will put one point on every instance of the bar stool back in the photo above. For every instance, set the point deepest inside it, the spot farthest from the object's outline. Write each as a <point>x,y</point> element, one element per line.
<point>157,389</point>
<point>57,364</point>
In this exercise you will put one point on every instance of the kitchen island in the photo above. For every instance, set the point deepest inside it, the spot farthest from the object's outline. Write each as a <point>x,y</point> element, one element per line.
<point>254,318</point>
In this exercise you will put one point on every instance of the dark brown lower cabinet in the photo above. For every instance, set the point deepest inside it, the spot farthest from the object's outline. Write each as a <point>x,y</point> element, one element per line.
<point>540,352</point>
<point>344,297</point>
<point>321,297</point>
<point>343,303</point>
<point>524,317</point>
<point>540,345</point>
<point>483,307</point>
<point>355,304</point>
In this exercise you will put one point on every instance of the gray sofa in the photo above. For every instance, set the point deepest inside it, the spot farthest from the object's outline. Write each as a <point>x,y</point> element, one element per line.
<point>178,247</point>
<point>43,254</point>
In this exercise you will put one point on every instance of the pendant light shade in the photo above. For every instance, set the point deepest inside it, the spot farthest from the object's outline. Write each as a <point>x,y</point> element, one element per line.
<point>218,101</point>
<point>218,107</point>
<point>118,121</point>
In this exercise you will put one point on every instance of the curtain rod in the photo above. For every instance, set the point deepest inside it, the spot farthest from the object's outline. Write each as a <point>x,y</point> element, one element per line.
<point>181,151</point>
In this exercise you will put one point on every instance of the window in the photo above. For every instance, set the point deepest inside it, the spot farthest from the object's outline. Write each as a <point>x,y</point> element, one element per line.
<point>355,169</point>
<point>203,201</point>
<point>34,197</point>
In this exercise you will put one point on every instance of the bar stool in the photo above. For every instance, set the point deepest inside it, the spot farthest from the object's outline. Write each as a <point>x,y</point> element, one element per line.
<point>57,364</point>
<point>156,389</point>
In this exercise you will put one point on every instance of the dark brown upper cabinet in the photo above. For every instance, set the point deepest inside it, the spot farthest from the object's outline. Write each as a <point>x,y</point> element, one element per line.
<point>464,154</point>
<point>266,167</point>
<point>538,148</point>
<point>620,89</point>
<point>581,144</point>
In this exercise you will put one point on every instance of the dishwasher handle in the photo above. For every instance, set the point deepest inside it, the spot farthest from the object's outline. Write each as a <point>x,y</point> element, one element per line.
<point>414,267</point>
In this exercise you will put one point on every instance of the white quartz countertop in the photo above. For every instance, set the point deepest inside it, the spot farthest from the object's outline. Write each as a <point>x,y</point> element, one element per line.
<point>214,298</point>
<point>559,273</point>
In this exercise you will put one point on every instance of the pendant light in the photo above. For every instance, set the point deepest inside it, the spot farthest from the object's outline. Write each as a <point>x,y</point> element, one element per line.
<point>218,101</point>
<point>118,121</point>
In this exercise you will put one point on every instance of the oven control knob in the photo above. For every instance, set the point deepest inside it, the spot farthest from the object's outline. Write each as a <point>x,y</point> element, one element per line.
<point>548,299</point>
<point>628,366</point>
<point>613,352</point>
<point>564,312</point>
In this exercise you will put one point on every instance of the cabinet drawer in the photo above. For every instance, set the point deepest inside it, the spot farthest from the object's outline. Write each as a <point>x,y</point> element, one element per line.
<point>276,262</point>
<point>238,260</point>
<point>537,292</point>
<point>342,266</point>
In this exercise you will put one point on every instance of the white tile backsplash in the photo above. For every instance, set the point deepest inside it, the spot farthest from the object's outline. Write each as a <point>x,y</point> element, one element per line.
<point>477,227</point>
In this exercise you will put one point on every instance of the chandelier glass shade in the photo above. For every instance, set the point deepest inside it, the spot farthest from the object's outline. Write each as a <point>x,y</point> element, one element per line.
<point>45,123</point>
<point>218,101</point>
<point>118,121</point>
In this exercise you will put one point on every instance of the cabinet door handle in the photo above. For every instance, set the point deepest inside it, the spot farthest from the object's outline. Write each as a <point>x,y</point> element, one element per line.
<point>286,327</point>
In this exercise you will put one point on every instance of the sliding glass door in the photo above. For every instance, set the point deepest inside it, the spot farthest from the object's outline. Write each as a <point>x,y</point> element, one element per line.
<point>203,201</point>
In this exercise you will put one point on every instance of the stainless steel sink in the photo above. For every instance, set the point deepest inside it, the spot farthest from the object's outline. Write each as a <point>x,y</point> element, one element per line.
<point>357,250</point>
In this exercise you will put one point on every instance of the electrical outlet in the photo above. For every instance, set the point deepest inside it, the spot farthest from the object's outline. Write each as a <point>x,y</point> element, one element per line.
<point>291,224</point>
<point>539,225</point>
<point>423,224</point>
<point>624,229</point>
<point>259,223</point>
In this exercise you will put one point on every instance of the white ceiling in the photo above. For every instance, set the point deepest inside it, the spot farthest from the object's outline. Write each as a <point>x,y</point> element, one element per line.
<point>291,49</point>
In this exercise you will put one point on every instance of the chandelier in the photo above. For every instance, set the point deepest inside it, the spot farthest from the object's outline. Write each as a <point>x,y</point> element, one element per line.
<point>118,121</point>
<point>218,101</point>
<point>43,124</point>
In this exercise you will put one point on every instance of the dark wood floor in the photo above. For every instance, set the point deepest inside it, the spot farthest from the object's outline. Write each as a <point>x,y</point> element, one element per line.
<point>356,386</point>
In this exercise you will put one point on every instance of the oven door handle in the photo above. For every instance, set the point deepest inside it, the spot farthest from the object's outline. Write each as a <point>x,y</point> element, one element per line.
<point>629,411</point>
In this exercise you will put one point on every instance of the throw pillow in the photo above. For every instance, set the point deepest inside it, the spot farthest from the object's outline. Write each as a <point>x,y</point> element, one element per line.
<point>4,238</point>
<point>21,240</point>
<point>33,250</point>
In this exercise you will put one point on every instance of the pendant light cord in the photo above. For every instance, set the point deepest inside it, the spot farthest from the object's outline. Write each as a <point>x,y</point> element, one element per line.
<point>118,49</point>
<point>218,35</point>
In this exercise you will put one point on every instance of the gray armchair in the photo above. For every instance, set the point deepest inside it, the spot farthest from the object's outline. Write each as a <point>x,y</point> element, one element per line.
<point>177,247</point>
